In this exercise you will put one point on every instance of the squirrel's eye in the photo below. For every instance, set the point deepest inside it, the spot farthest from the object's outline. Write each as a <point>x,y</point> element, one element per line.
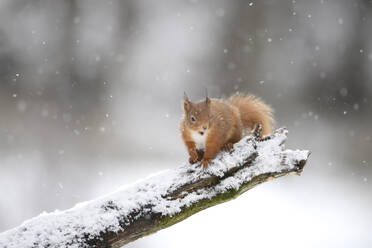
<point>192,118</point>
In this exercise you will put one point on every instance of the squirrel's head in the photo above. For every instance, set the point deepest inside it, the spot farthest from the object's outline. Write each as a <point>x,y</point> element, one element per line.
<point>197,115</point>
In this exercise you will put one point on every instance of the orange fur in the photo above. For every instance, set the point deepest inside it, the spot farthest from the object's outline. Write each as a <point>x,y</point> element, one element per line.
<point>252,111</point>
<point>211,125</point>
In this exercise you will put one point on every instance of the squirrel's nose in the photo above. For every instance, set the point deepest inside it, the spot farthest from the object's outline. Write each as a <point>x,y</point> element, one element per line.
<point>201,133</point>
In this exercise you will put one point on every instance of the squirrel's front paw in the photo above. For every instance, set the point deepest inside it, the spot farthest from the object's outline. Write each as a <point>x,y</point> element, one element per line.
<point>205,162</point>
<point>193,158</point>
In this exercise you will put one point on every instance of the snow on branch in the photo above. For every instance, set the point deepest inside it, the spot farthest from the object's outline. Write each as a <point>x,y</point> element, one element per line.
<point>161,200</point>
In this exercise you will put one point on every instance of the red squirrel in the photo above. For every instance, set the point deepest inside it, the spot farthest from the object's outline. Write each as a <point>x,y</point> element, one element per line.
<point>212,125</point>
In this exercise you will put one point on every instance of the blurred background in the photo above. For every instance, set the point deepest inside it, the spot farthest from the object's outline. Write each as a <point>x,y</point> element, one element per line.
<point>90,99</point>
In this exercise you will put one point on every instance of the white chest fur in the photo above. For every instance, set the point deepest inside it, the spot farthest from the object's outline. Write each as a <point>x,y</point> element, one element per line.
<point>199,139</point>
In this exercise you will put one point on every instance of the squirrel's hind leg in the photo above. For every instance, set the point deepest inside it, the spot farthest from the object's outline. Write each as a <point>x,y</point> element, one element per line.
<point>227,147</point>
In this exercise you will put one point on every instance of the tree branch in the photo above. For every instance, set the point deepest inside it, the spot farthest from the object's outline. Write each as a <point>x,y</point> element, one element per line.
<point>161,200</point>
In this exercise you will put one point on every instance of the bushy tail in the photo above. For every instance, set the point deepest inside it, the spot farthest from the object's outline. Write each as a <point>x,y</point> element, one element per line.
<point>252,111</point>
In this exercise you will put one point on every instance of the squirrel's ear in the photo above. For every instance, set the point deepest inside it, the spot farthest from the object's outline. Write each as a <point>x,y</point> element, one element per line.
<point>186,102</point>
<point>207,100</point>
<point>186,105</point>
<point>185,97</point>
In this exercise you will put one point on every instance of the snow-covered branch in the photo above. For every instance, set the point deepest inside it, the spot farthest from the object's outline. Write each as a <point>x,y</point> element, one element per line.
<point>161,200</point>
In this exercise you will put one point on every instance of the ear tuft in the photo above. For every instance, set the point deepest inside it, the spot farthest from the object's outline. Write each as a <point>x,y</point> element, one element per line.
<point>185,97</point>
<point>207,100</point>
<point>186,102</point>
